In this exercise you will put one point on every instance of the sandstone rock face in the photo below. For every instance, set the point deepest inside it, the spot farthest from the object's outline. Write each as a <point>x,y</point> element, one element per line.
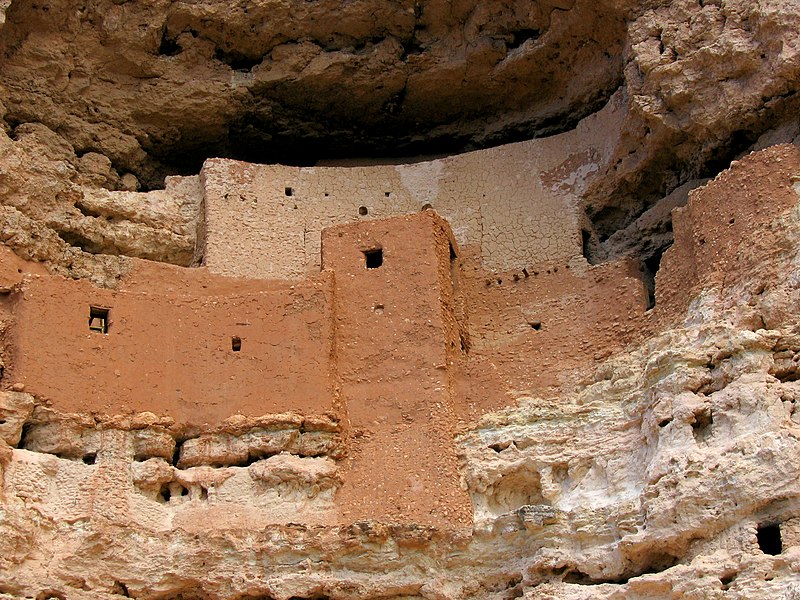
<point>298,79</point>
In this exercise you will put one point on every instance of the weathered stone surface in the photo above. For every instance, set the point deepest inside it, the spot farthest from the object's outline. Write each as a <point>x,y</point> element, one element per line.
<point>15,408</point>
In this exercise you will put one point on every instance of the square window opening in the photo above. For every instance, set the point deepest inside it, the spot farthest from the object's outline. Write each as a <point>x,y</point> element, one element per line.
<point>98,319</point>
<point>373,258</point>
<point>288,191</point>
<point>236,343</point>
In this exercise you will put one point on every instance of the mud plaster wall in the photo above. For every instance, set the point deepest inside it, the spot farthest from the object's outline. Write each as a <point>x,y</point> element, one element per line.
<point>531,329</point>
<point>395,328</point>
<point>172,352</point>
<point>517,203</point>
<point>712,231</point>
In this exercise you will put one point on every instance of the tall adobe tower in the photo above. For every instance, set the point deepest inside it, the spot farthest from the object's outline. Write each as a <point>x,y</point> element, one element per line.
<point>396,341</point>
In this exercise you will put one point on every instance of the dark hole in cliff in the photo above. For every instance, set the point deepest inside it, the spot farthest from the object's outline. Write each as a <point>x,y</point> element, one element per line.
<point>168,46</point>
<point>373,258</point>
<point>120,589</point>
<point>701,427</point>
<point>76,240</point>
<point>727,579</point>
<point>87,212</point>
<point>453,255</point>
<point>738,142</point>
<point>236,343</point>
<point>164,494</point>
<point>288,191</point>
<point>769,539</point>
<point>535,325</point>
<point>98,319</point>
<point>363,211</point>
<point>521,36</point>
<point>650,268</point>
<point>89,459</point>
<point>586,239</point>
<point>236,60</point>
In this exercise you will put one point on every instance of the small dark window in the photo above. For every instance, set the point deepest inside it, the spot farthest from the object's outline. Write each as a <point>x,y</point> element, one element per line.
<point>769,539</point>
<point>288,191</point>
<point>236,343</point>
<point>362,210</point>
<point>373,258</point>
<point>387,194</point>
<point>98,319</point>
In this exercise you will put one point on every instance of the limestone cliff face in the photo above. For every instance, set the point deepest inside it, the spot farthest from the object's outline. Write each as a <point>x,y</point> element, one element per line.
<point>653,456</point>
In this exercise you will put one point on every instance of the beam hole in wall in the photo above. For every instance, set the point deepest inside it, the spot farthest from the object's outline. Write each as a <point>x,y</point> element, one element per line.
<point>236,343</point>
<point>89,459</point>
<point>535,325</point>
<point>769,539</point>
<point>373,258</point>
<point>378,309</point>
<point>98,319</point>
<point>363,211</point>
<point>288,191</point>
<point>387,194</point>
<point>426,207</point>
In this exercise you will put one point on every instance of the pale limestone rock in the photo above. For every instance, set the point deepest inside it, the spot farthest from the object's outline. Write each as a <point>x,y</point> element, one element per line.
<point>15,409</point>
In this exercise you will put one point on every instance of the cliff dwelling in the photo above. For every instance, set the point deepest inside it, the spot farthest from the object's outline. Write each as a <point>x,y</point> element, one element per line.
<point>413,300</point>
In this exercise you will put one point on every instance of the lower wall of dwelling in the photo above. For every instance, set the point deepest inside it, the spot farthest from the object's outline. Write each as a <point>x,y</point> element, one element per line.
<point>196,355</point>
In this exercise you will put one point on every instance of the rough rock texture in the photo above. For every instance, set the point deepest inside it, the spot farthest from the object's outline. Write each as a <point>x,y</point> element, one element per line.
<point>168,83</point>
<point>56,209</point>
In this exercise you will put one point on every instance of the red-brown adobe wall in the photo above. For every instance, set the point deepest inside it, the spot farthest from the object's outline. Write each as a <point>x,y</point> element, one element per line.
<point>169,350</point>
<point>530,333</point>
<point>724,230</point>
<point>395,331</point>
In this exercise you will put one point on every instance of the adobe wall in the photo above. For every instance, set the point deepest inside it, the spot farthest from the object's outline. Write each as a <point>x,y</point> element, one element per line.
<point>169,346</point>
<point>722,232</point>
<point>531,331</point>
<point>517,204</point>
<point>396,339</point>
